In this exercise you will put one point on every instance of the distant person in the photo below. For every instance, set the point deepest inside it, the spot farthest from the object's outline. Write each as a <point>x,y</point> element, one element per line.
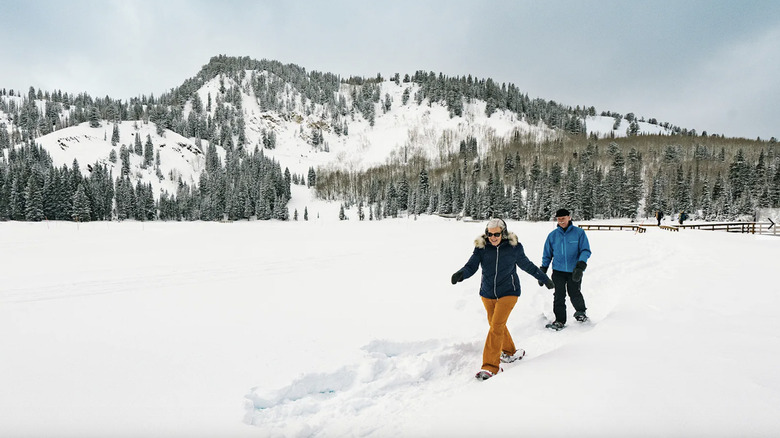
<point>498,252</point>
<point>568,248</point>
<point>659,215</point>
<point>682,217</point>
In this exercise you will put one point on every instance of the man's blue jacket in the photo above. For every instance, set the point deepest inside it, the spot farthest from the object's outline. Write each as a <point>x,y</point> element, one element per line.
<point>565,247</point>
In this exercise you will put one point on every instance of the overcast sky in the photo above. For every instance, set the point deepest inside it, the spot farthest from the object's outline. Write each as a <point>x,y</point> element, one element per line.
<point>707,65</point>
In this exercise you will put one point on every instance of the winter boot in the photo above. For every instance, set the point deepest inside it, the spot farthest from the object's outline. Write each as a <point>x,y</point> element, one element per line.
<point>557,326</point>
<point>509,358</point>
<point>485,374</point>
<point>580,316</point>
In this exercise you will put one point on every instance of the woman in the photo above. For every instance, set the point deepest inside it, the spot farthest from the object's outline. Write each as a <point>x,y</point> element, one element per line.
<point>498,252</point>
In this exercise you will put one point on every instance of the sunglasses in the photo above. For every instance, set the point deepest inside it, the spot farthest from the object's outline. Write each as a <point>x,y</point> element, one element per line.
<point>494,234</point>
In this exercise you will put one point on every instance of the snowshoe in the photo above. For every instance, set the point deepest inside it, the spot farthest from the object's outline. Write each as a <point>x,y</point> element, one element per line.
<point>580,316</point>
<point>557,326</point>
<point>485,374</point>
<point>509,358</point>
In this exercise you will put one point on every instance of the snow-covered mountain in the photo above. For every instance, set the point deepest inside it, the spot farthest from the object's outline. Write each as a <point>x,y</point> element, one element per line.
<point>403,129</point>
<point>304,133</point>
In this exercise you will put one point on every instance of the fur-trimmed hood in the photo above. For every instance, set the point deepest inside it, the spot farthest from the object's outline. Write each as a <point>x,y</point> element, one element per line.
<point>481,241</point>
<point>499,266</point>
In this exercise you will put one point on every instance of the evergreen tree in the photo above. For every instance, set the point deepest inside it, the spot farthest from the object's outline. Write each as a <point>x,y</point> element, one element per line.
<point>616,184</point>
<point>774,190</point>
<point>124,156</point>
<point>569,195</point>
<point>403,194</point>
<point>16,200</point>
<point>706,200</point>
<point>81,211</point>
<point>5,195</point>
<point>138,148</point>
<point>148,151</point>
<point>634,190</point>
<point>115,135</point>
<point>739,175</point>
<point>94,117</point>
<point>392,201</point>
<point>423,190</point>
<point>656,202</point>
<point>312,178</point>
<point>586,192</point>
<point>33,199</point>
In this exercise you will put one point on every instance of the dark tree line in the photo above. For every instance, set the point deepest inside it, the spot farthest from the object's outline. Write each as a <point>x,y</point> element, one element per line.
<point>33,189</point>
<point>245,186</point>
<point>610,180</point>
<point>712,178</point>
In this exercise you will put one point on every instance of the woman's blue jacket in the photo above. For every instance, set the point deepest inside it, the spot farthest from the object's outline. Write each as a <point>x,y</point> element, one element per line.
<point>499,276</point>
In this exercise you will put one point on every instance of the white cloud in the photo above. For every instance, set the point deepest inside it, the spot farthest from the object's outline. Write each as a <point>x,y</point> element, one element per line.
<point>689,64</point>
<point>734,91</point>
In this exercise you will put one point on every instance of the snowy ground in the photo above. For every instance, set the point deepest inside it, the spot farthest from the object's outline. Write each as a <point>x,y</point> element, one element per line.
<point>326,328</point>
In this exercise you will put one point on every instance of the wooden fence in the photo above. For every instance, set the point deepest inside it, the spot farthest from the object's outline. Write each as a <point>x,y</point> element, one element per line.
<point>765,228</point>
<point>736,227</point>
<point>637,228</point>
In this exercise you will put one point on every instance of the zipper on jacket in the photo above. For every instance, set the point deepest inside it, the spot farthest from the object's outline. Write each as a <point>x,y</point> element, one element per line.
<point>565,253</point>
<point>495,276</point>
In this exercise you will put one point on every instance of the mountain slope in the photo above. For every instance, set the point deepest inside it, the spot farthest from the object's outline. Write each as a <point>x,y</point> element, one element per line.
<point>179,157</point>
<point>243,108</point>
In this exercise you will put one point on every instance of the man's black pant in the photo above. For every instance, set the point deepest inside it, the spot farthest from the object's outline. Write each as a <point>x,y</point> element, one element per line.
<point>564,283</point>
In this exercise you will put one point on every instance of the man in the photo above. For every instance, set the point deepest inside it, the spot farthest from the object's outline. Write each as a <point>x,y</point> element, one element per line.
<point>568,248</point>
<point>498,252</point>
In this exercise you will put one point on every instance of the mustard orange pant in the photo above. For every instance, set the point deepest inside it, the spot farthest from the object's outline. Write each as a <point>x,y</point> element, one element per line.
<point>498,338</point>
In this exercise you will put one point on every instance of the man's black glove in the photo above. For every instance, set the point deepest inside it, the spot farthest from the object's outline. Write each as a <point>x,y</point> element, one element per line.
<point>576,275</point>
<point>549,284</point>
<point>457,277</point>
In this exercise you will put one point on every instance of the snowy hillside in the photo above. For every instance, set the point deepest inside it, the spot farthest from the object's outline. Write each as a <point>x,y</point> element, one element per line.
<point>399,130</point>
<point>179,157</point>
<point>602,126</point>
<point>355,330</point>
<point>425,129</point>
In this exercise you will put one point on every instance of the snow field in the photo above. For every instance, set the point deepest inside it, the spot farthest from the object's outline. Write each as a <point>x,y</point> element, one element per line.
<point>326,328</point>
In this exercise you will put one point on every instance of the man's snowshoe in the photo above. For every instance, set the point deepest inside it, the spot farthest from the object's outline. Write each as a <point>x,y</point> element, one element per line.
<point>556,325</point>
<point>580,316</point>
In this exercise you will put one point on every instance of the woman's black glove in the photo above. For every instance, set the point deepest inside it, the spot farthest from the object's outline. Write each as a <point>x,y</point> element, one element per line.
<point>545,283</point>
<point>457,277</point>
<point>576,275</point>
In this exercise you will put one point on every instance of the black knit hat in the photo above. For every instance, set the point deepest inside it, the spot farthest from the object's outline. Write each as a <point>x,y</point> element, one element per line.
<point>562,212</point>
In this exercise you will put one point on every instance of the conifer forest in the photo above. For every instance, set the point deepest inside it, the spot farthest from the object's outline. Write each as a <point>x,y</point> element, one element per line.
<point>523,177</point>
